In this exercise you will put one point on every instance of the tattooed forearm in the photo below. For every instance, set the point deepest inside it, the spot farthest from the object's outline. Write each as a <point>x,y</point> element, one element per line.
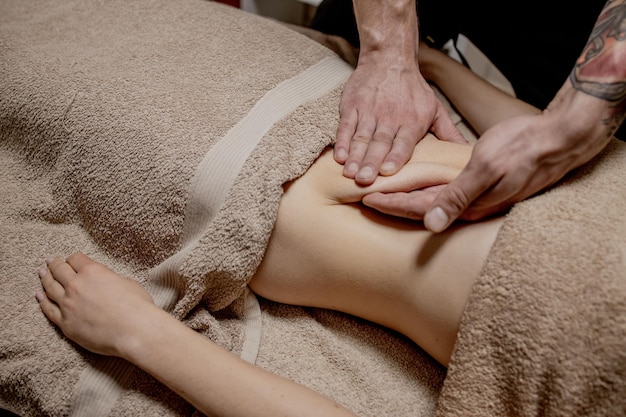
<point>601,69</point>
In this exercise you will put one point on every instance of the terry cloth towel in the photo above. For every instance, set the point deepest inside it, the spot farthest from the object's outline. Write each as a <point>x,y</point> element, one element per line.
<point>544,332</point>
<point>155,136</point>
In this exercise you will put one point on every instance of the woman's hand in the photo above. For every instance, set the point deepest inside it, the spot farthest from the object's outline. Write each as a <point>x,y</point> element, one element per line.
<point>112,315</point>
<point>93,306</point>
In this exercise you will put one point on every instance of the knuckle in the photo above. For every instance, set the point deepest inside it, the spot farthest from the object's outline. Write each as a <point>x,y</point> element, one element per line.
<point>344,132</point>
<point>382,137</point>
<point>473,215</point>
<point>360,138</point>
<point>400,153</point>
<point>405,141</point>
<point>413,215</point>
<point>344,124</point>
<point>72,257</point>
<point>457,199</point>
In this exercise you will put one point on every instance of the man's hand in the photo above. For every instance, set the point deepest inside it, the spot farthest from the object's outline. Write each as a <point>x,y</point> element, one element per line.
<point>522,155</point>
<point>512,161</point>
<point>385,111</point>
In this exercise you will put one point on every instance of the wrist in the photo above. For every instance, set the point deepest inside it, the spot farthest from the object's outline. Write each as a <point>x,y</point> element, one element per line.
<point>387,30</point>
<point>386,61</point>
<point>581,121</point>
<point>580,114</point>
<point>139,335</point>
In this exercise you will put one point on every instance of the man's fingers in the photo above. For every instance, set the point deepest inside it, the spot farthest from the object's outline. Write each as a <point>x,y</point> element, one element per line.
<point>444,128</point>
<point>345,132</point>
<point>389,150</point>
<point>411,205</point>
<point>358,149</point>
<point>454,199</point>
<point>401,150</point>
<point>504,194</point>
<point>377,149</point>
<point>359,144</point>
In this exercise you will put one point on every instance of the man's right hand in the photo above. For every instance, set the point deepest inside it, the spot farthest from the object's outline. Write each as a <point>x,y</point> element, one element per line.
<point>386,109</point>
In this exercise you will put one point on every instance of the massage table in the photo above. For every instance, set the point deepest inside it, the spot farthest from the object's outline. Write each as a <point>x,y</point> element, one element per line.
<point>155,137</point>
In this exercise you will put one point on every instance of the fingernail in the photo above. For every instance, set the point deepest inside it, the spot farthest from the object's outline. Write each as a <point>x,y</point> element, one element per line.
<point>42,271</point>
<point>39,296</point>
<point>341,154</point>
<point>352,169</point>
<point>388,167</point>
<point>366,173</point>
<point>436,220</point>
<point>48,261</point>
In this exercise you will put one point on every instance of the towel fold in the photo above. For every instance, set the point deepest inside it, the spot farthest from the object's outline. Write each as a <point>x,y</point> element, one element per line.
<point>544,332</point>
<point>155,136</point>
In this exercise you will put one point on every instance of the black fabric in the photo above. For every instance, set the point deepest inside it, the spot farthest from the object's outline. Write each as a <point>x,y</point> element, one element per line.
<point>336,17</point>
<point>533,43</point>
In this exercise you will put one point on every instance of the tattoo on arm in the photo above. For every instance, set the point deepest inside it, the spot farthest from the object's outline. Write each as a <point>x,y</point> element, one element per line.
<point>601,69</point>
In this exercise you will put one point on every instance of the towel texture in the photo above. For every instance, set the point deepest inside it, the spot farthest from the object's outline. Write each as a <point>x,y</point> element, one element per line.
<point>155,136</point>
<point>544,332</point>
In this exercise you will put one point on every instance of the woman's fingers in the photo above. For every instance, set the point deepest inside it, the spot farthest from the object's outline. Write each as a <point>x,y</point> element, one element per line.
<point>49,308</point>
<point>54,277</point>
<point>53,288</point>
<point>78,261</point>
<point>52,291</point>
<point>61,271</point>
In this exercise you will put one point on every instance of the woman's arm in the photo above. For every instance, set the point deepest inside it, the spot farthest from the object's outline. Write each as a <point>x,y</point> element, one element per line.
<point>111,315</point>
<point>481,103</point>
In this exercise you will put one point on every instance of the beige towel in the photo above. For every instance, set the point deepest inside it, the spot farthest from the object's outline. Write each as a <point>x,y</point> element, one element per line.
<point>545,329</point>
<point>126,132</point>
<point>110,116</point>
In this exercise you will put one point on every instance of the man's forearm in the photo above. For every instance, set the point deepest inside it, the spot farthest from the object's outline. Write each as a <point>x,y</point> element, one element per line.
<point>389,27</point>
<point>601,68</point>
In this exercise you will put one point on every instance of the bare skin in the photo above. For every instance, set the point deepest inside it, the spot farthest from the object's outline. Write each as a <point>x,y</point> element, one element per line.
<point>514,159</point>
<point>329,251</point>
<point>112,315</point>
<point>387,105</point>
<point>399,275</point>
